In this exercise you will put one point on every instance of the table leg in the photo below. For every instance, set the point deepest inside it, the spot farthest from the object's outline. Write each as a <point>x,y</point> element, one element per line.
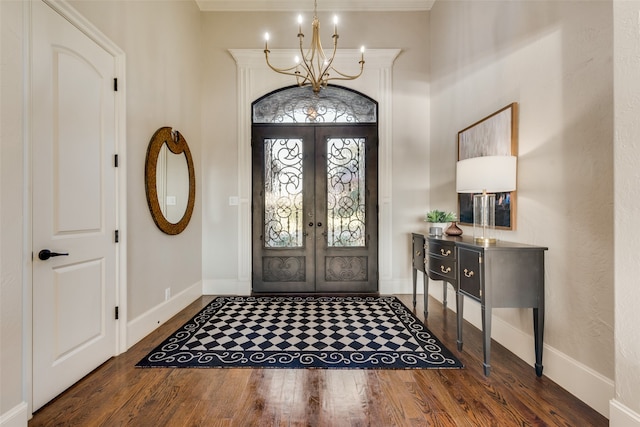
<point>486,339</point>
<point>415,278</point>
<point>459,317</point>
<point>444,294</point>
<point>538,332</point>
<point>425,285</point>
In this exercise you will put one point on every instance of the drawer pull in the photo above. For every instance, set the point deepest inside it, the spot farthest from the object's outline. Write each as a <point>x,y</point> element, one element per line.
<point>445,270</point>
<point>468,273</point>
<point>445,253</point>
<point>417,253</point>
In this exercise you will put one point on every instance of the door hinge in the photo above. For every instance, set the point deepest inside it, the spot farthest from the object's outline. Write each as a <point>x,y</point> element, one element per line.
<point>115,160</point>
<point>480,259</point>
<point>117,313</point>
<point>115,84</point>
<point>117,236</point>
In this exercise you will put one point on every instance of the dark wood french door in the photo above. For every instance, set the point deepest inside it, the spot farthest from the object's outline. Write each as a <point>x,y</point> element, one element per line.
<point>315,208</point>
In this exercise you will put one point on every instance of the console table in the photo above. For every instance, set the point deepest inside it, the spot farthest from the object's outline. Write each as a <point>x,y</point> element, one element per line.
<point>498,276</point>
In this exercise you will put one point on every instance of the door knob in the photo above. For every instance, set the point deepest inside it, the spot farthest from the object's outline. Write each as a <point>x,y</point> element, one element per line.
<point>45,254</point>
<point>311,224</point>
<point>319,224</point>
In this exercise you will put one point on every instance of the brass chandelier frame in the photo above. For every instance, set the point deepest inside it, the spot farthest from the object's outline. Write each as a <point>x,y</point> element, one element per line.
<point>313,68</point>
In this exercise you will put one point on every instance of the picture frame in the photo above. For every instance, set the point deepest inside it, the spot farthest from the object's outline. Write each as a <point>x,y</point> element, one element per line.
<point>494,135</point>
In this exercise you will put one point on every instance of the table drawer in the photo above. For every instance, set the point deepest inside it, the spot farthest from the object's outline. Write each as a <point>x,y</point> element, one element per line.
<point>442,249</point>
<point>470,280</point>
<point>442,268</point>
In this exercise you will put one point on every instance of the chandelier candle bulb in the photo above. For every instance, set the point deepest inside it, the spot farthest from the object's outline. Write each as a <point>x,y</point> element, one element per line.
<point>266,41</point>
<point>299,25</point>
<point>335,25</point>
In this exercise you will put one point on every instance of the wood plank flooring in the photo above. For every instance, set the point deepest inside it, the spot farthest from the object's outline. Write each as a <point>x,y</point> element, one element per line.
<point>118,394</point>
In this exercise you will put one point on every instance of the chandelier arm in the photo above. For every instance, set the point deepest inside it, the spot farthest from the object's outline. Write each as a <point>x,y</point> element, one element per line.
<point>287,71</point>
<point>302,80</point>
<point>305,65</point>
<point>315,55</point>
<point>348,76</point>
<point>328,63</point>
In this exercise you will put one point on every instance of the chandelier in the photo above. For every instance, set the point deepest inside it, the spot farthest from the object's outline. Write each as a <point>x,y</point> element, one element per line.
<point>314,68</point>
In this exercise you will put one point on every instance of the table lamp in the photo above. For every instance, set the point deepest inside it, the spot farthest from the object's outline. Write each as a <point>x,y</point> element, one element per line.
<point>483,177</point>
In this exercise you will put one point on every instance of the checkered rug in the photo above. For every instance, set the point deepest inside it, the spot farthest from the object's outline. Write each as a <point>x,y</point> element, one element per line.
<point>303,332</point>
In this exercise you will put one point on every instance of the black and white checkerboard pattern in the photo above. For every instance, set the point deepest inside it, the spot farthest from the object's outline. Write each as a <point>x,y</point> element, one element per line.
<point>304,325</point>
<point>297,332</point>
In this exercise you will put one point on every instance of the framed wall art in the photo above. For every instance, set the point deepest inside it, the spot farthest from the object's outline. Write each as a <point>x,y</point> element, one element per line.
<point>495,135</point>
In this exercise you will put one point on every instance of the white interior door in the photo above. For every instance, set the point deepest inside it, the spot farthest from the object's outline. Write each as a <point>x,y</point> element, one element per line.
<point>74,204</point>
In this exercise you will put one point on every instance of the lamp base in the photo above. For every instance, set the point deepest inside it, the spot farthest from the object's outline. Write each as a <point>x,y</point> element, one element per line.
<point>485,241</point>
<point>484,219</point>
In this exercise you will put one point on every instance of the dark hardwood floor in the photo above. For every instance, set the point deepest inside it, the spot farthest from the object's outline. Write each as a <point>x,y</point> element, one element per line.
<point>118,394</point>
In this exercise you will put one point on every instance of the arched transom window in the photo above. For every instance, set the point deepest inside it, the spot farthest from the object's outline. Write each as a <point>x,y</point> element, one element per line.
<point>334,104</point>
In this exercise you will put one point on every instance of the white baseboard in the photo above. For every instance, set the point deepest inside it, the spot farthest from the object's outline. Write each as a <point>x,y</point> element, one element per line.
<point>390,287</point>
<point>226,287</point>
<point>622,416</point>
<point>583,382</point>
<point>146,323</point>
<point>16,416</point>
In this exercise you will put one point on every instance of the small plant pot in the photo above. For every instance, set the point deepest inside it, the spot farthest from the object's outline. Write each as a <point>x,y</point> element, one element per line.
<point>437,228</point>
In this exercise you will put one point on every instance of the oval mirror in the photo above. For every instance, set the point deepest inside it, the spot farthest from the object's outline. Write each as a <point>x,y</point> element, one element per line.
<point>170,180</point>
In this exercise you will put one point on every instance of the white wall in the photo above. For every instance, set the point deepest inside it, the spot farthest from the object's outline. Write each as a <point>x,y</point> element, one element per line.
<point>625,408</point>
<point>410,181</point>
<point>162,42</point>
<point>554,59</point>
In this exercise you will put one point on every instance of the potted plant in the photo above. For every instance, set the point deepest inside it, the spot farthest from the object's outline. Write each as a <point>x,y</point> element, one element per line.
<point>438,220</point>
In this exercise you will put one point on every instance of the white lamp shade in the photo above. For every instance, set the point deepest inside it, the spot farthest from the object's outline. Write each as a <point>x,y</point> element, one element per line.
<point>494,174</point>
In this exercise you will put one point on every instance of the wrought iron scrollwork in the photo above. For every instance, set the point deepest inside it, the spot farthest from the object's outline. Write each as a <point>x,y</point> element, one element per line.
<point>283,193</point>
<point>346,192</point>
<point>300,105</point>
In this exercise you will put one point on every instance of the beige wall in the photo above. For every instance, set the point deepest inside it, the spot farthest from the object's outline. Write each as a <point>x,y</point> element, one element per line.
<point>627,211</point>
<point>162,43</point>
<point>554,59</point>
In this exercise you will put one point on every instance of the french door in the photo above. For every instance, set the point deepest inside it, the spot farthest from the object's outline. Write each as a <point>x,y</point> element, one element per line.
<point>314,213</point>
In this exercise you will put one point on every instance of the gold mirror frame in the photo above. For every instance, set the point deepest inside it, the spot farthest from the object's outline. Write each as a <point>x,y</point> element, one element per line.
<point>177,145</point>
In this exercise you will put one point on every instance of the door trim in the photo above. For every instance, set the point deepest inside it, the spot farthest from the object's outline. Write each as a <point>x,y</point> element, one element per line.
<point>254,80</point>
<point>80,22</point>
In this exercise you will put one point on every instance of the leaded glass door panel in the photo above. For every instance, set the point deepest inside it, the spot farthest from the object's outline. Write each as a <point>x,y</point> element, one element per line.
<point>314,208</point>
<point>346,244</point>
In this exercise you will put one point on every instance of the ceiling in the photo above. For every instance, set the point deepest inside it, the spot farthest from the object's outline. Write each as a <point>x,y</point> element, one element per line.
<point>323,5</point>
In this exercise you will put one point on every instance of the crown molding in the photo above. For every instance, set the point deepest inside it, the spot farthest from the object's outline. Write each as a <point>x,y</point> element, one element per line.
<point>325,5</point>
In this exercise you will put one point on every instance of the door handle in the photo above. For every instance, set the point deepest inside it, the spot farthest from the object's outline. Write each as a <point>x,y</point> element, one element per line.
<point>311,224</point>
<point>45,254</point>
<point>319,224</point>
